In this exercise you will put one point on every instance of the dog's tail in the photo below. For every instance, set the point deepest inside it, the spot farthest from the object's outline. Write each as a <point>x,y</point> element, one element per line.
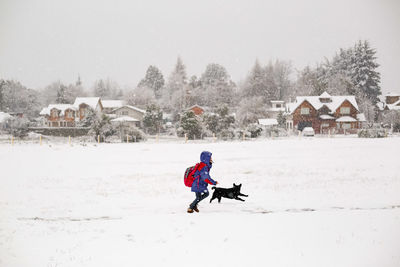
<point>213,187</point>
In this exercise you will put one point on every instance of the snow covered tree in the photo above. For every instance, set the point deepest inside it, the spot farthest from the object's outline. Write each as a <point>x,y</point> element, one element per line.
<point>101,126</point>
<point>216,85</point>
<point>62,94</point>
<point>141,96</point>
<point>190,125</point>
<point>250,110</point>
<point>255,82</point>
<point>363,71</point>
<point>90,117</point>
<point>281,120</point>
<point>153,80</point>
<point>2,88</point>
<point>107,89</point>
<point>175,91</point>
<point>17,127</point>
<point>18,98</point>
<point>152,120</point>
<point>219,121</point>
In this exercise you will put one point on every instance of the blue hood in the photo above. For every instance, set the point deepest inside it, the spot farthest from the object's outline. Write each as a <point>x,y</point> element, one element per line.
<point>205,157</point>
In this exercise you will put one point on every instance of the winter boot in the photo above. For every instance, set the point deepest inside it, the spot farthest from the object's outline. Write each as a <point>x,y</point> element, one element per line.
<point>189,210</point>
<point>196,209</point>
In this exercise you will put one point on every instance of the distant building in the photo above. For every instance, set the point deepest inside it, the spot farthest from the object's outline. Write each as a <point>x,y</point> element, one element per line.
<point>66,115</point>
<point>132,112</point>
<point>198,111</point>
<point>277,106</point>
<point>325,113</point>
<point>110,105</point>
<point>390,101</point>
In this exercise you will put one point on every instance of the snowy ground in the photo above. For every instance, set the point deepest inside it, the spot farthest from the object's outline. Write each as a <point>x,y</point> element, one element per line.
<point>313,202</point>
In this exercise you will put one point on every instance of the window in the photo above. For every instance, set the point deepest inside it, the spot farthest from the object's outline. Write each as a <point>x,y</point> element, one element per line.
<point>124,112</point>
<point>344,110</point>
<point>305,111</point>
<point>278,105</point>
<point>325,125</point>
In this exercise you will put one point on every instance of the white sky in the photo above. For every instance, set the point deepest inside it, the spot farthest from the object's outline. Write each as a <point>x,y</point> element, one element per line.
<point>43,41</point>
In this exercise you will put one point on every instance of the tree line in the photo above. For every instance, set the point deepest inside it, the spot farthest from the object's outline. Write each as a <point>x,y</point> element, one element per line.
<point>351,71</point>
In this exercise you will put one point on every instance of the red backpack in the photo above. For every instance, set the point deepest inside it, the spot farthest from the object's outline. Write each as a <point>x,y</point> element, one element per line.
<point>188,178</point>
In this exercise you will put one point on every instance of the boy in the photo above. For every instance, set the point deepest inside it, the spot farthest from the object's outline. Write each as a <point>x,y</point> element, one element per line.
<point>201,180</point>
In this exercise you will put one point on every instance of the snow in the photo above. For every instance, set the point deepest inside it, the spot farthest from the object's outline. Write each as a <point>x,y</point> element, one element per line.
<point>361,117</point>
<point>112,103</point>
<point>90,101</point>
<point>346,119</point>
<point>267,122</point>
<point>4,116</point>
<point>125,204</point>
<point>61,107</point>
<point>326,117</point>
<point>131,107</point>
<point>317,104</point>
<point>124,118</point>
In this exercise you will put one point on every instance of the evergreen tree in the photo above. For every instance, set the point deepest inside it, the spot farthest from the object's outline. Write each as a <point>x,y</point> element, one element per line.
<point>62,94</point>
<point>2,88</point>
<point>216,85</point>
<point>255,82</point>
<point>363,71</point>
<point>152,120</point>
<point>153,80</point>
<point>174,95</point>
<point>190,125</point>
<point>101,90</point>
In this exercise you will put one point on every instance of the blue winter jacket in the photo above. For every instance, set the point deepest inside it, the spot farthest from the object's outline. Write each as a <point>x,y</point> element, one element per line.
<point>202,176</point>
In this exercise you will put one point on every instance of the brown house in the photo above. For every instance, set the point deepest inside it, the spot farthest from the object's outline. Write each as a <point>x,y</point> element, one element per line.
<point>59,115</point>
<point>326,113</point>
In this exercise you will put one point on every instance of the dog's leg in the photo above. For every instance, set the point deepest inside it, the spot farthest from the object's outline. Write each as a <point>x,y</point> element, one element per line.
<point>212,198</point>
<point>238,198</point>
<point>219,199</point>
<point>243,195</point>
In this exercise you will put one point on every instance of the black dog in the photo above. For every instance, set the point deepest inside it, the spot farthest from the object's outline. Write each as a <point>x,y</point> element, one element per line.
<point>232,193</point>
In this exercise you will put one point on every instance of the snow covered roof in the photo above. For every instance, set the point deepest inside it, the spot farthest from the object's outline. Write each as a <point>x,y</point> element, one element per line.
<point>361,117</point>
<point>112,103</point>
<point>4,116</point>
<point>131,107</point>
<point>267,122</point>
<point>277,101</point>
<point>392,94</point>
<point>346,119</point>
<point>394,106</point>
<point>123,119</point>
<point>90,101</point>
<point>326,117</point>
<point>315,101</point>
<point>61,107</point>
<point>325,95</point>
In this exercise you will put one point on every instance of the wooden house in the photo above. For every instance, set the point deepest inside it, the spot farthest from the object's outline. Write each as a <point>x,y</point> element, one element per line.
<point>326,113</point>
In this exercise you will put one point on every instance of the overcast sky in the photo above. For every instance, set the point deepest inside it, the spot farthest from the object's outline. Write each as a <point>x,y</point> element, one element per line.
<point>43,41</point>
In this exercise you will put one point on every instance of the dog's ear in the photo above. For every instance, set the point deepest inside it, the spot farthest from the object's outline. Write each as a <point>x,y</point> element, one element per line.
<point>234,184</point>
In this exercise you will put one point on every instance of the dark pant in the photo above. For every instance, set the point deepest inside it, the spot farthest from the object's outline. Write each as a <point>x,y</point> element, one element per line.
<point>199,197</point>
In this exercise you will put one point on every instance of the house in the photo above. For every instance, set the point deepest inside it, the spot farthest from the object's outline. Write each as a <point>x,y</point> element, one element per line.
<point>198,111</point>
<point>325,113</point>
<point>277,106</point>
<point>66,115</point>
<point>390,101</point>
<point>110,105</point>
<point>130,111</point>
<point>82,105</point>
<point>59,115</point>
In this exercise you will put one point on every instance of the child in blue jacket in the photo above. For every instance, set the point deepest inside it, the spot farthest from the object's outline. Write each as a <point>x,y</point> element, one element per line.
<point>201,180</point>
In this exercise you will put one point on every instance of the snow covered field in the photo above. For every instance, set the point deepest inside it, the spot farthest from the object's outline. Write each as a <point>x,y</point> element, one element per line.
<point>312,202</point>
